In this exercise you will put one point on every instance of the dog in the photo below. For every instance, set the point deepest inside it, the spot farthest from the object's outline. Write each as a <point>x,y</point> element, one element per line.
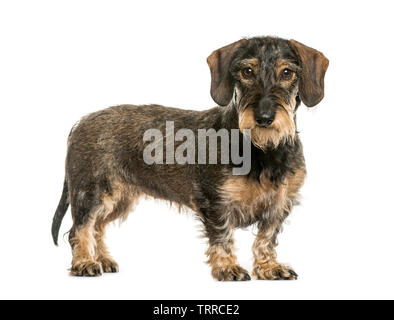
<point>258,84</point>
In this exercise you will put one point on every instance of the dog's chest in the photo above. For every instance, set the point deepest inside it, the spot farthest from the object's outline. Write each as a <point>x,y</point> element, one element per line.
<point>251,200</point>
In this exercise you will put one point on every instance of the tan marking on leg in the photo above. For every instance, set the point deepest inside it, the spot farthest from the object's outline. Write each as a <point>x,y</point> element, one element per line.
<point>224,264</point>
<point>102,254</point>
<point>84,245</point>
<point>265,266</point>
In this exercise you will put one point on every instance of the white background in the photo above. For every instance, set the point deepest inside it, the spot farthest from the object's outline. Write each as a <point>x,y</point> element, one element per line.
<point>60,60</point>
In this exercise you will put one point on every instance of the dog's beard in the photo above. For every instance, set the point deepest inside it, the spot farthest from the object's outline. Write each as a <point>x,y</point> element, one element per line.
<point>282,130</point>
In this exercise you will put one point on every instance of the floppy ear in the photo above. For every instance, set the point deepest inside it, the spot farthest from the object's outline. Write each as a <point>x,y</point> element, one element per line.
<point>314,65</point>
<point>222,84</point>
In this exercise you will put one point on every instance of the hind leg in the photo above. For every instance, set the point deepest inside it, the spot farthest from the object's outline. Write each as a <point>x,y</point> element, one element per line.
<point>83,246</point>
<point>91,215</point>
<point>86,208</point>
<point>115,205</point>
<point>108,264</point>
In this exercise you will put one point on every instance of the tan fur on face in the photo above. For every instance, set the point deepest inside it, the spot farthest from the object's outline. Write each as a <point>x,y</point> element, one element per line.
<point>285,64</point>
<point>282,129</point>
<point>251,63</point>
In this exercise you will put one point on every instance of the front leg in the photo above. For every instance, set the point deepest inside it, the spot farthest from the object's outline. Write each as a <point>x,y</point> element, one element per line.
<point>266,267</point>
<point>220,253</point>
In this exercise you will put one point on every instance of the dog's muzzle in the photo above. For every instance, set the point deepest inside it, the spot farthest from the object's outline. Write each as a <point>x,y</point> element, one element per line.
<point>264,113</point>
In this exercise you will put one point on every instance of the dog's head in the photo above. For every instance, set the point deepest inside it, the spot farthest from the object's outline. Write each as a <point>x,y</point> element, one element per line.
<point>267,78</point>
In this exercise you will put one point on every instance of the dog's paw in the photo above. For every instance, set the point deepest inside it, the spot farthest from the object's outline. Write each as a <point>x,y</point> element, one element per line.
<point>86,269</point>
<point>109,265</point>
<point>274,272</point>
<point>230,273</point>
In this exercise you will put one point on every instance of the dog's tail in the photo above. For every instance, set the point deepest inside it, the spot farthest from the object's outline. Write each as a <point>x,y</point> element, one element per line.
<point>60,212</point>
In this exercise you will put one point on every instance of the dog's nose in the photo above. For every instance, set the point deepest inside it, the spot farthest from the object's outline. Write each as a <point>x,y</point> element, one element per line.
<point>265,119</point>
<point>265,113</point>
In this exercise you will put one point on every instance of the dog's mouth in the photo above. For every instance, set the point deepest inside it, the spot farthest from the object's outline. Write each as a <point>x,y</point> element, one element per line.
<point>270,128</point>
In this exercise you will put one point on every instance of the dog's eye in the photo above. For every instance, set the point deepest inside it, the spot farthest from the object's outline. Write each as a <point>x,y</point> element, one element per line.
<point>247,73</point>
<point>286,74</point>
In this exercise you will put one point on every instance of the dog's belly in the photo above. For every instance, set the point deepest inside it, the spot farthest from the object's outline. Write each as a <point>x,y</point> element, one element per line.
<point>169,183</point>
